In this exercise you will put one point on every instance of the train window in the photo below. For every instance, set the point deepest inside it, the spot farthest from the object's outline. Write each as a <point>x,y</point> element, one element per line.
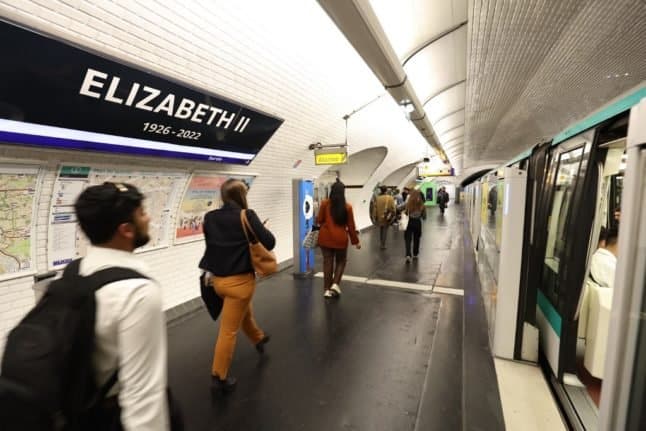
<point>567,172</point>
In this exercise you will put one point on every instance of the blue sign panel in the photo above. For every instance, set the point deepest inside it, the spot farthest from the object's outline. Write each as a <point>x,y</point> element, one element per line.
<point>305,222</point>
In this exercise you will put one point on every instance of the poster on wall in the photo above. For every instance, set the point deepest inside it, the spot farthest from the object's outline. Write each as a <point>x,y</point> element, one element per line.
<point>17,215</point>
<point>66,240</point>
<point>202,195</point>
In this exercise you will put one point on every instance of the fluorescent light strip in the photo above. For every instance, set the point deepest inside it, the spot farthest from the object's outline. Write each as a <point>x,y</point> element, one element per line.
<point>80,135</point>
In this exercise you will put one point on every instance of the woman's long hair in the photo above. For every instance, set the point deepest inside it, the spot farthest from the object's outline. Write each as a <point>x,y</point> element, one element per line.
<point>234,191</point>
<point>337,204</point>
<point>414,202</point>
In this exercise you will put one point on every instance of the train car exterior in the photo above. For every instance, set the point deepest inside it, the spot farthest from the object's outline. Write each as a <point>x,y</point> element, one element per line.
<point>584,189</point>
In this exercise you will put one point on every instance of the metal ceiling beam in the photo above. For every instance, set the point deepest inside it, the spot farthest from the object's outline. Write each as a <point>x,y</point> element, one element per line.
<point>357,21</point>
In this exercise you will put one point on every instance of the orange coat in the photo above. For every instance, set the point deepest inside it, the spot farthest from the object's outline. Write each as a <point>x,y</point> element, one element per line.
<point>331,234</point>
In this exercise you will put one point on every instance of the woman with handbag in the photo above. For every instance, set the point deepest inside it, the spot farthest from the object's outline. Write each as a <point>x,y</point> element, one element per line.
<point>416,212</point>
<point>336,223</point>
<point>228,258</point>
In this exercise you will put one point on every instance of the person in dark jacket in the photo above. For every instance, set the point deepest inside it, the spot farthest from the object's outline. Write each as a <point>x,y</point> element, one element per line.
<point>416,212</point>
<point>228,264</point>
<point>442,199</point>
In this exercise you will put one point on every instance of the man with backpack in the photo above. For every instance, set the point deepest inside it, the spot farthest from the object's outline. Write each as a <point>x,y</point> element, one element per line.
<point>105,365</point>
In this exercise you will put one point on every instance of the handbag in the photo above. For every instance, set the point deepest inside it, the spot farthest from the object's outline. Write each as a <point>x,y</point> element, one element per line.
<point>212,300</point>
<point>403,221</point>
<point>263,261</point>
<point>311,239</point>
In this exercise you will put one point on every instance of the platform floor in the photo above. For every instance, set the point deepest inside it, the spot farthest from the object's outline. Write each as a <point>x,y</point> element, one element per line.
<point>393,353</point>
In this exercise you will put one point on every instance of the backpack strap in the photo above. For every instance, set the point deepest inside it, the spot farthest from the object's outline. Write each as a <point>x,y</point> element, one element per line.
<point>111,275</point>
<point>100,278</point>
<point>96,281</point>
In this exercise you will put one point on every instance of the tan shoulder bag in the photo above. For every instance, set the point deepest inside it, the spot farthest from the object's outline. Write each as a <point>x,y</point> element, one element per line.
<point>263,261</point>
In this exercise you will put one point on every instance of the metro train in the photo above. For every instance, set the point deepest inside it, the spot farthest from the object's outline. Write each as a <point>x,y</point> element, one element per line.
<point>574,193</point>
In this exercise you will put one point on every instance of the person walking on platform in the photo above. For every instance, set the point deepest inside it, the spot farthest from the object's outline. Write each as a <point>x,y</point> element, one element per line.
<point>336,220</point>
<point>130,325</point>
<point>228,264</point>
<point>416,212</point>
<point>442,199</point>
<point>384,213</point>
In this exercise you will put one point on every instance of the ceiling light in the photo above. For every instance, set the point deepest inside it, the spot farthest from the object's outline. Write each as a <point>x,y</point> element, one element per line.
<point>407,106</point>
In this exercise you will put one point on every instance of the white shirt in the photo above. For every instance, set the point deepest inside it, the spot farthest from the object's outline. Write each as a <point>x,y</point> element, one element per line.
<point>131,336</point>
<point>602,267</point>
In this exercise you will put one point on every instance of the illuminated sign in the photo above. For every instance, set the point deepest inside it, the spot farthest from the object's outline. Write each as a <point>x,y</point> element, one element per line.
<point>337,156</point>
<point>427,169</point>
<point>53,94</point>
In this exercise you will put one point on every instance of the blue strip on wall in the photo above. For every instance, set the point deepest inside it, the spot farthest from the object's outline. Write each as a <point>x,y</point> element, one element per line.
<point>550,313</point>
<point>609,112</point>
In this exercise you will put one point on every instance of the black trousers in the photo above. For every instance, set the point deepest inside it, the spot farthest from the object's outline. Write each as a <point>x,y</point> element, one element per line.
<point>383,232</point>
<point>413,233</point>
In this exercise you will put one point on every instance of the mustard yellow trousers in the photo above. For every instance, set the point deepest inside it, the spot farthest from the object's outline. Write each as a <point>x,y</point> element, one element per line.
<point>237,291</point>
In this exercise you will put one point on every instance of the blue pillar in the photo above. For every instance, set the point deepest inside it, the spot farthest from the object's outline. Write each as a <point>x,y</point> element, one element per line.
<point>303,219</point>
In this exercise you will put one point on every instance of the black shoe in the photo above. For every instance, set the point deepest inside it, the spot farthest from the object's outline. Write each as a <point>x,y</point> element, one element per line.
<point>260,345</point>
<point>227,385</point>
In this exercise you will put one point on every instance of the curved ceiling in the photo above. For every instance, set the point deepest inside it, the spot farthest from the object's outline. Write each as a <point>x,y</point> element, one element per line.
<point>523,89</point>
<point>361,165</point>
<point>396,177</point>
<point>430,39</point>
<point>518,72</point>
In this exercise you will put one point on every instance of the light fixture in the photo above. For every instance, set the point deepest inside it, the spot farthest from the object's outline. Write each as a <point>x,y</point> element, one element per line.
<point>407,106</point>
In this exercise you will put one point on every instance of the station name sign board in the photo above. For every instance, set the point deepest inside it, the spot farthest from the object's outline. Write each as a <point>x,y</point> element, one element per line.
<point>428,169</point>
<point>336,156</point>
<point>56,95</point>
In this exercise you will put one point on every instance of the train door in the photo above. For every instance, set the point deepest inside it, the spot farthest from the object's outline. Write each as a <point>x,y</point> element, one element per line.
<point>624,386</point>
<point>562,225</point>
<point>582,201</point>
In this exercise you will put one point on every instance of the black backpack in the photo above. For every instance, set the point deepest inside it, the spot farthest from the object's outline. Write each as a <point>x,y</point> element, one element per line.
<point>47,377</point>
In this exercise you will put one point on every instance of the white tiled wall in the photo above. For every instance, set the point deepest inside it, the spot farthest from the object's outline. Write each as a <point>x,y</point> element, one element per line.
<point>284,57</point>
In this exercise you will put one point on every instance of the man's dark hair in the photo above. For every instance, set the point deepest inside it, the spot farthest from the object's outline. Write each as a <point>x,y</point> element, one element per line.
<point>101,209</point>
<point>383,189</point>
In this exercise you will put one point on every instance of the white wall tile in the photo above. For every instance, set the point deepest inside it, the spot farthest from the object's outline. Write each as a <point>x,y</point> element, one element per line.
<point>285,58</point>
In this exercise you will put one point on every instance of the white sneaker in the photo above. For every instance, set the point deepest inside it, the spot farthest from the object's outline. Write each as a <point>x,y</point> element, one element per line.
<point>336,289</point>
<point>407,259</point>
<point>328,294</point>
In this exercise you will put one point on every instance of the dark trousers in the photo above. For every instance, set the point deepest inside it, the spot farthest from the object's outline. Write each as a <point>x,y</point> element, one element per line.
<point>413,233</point>
<point>383,231</point>
<point>332,273</point>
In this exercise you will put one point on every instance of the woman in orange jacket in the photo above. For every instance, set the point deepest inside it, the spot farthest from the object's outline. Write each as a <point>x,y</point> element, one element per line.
<point>337,223</point>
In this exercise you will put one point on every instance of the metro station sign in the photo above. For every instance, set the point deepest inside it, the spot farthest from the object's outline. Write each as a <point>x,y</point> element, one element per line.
<point>336,156</point>
<point>54,94</point>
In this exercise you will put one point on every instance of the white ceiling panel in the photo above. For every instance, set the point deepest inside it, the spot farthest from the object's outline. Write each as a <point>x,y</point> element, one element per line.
<point>450,121</point>
<point>445,102</point>
<point>439,65</point>
<point>410,24</point>
<point>453,133</point>
<point>534,68</point>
